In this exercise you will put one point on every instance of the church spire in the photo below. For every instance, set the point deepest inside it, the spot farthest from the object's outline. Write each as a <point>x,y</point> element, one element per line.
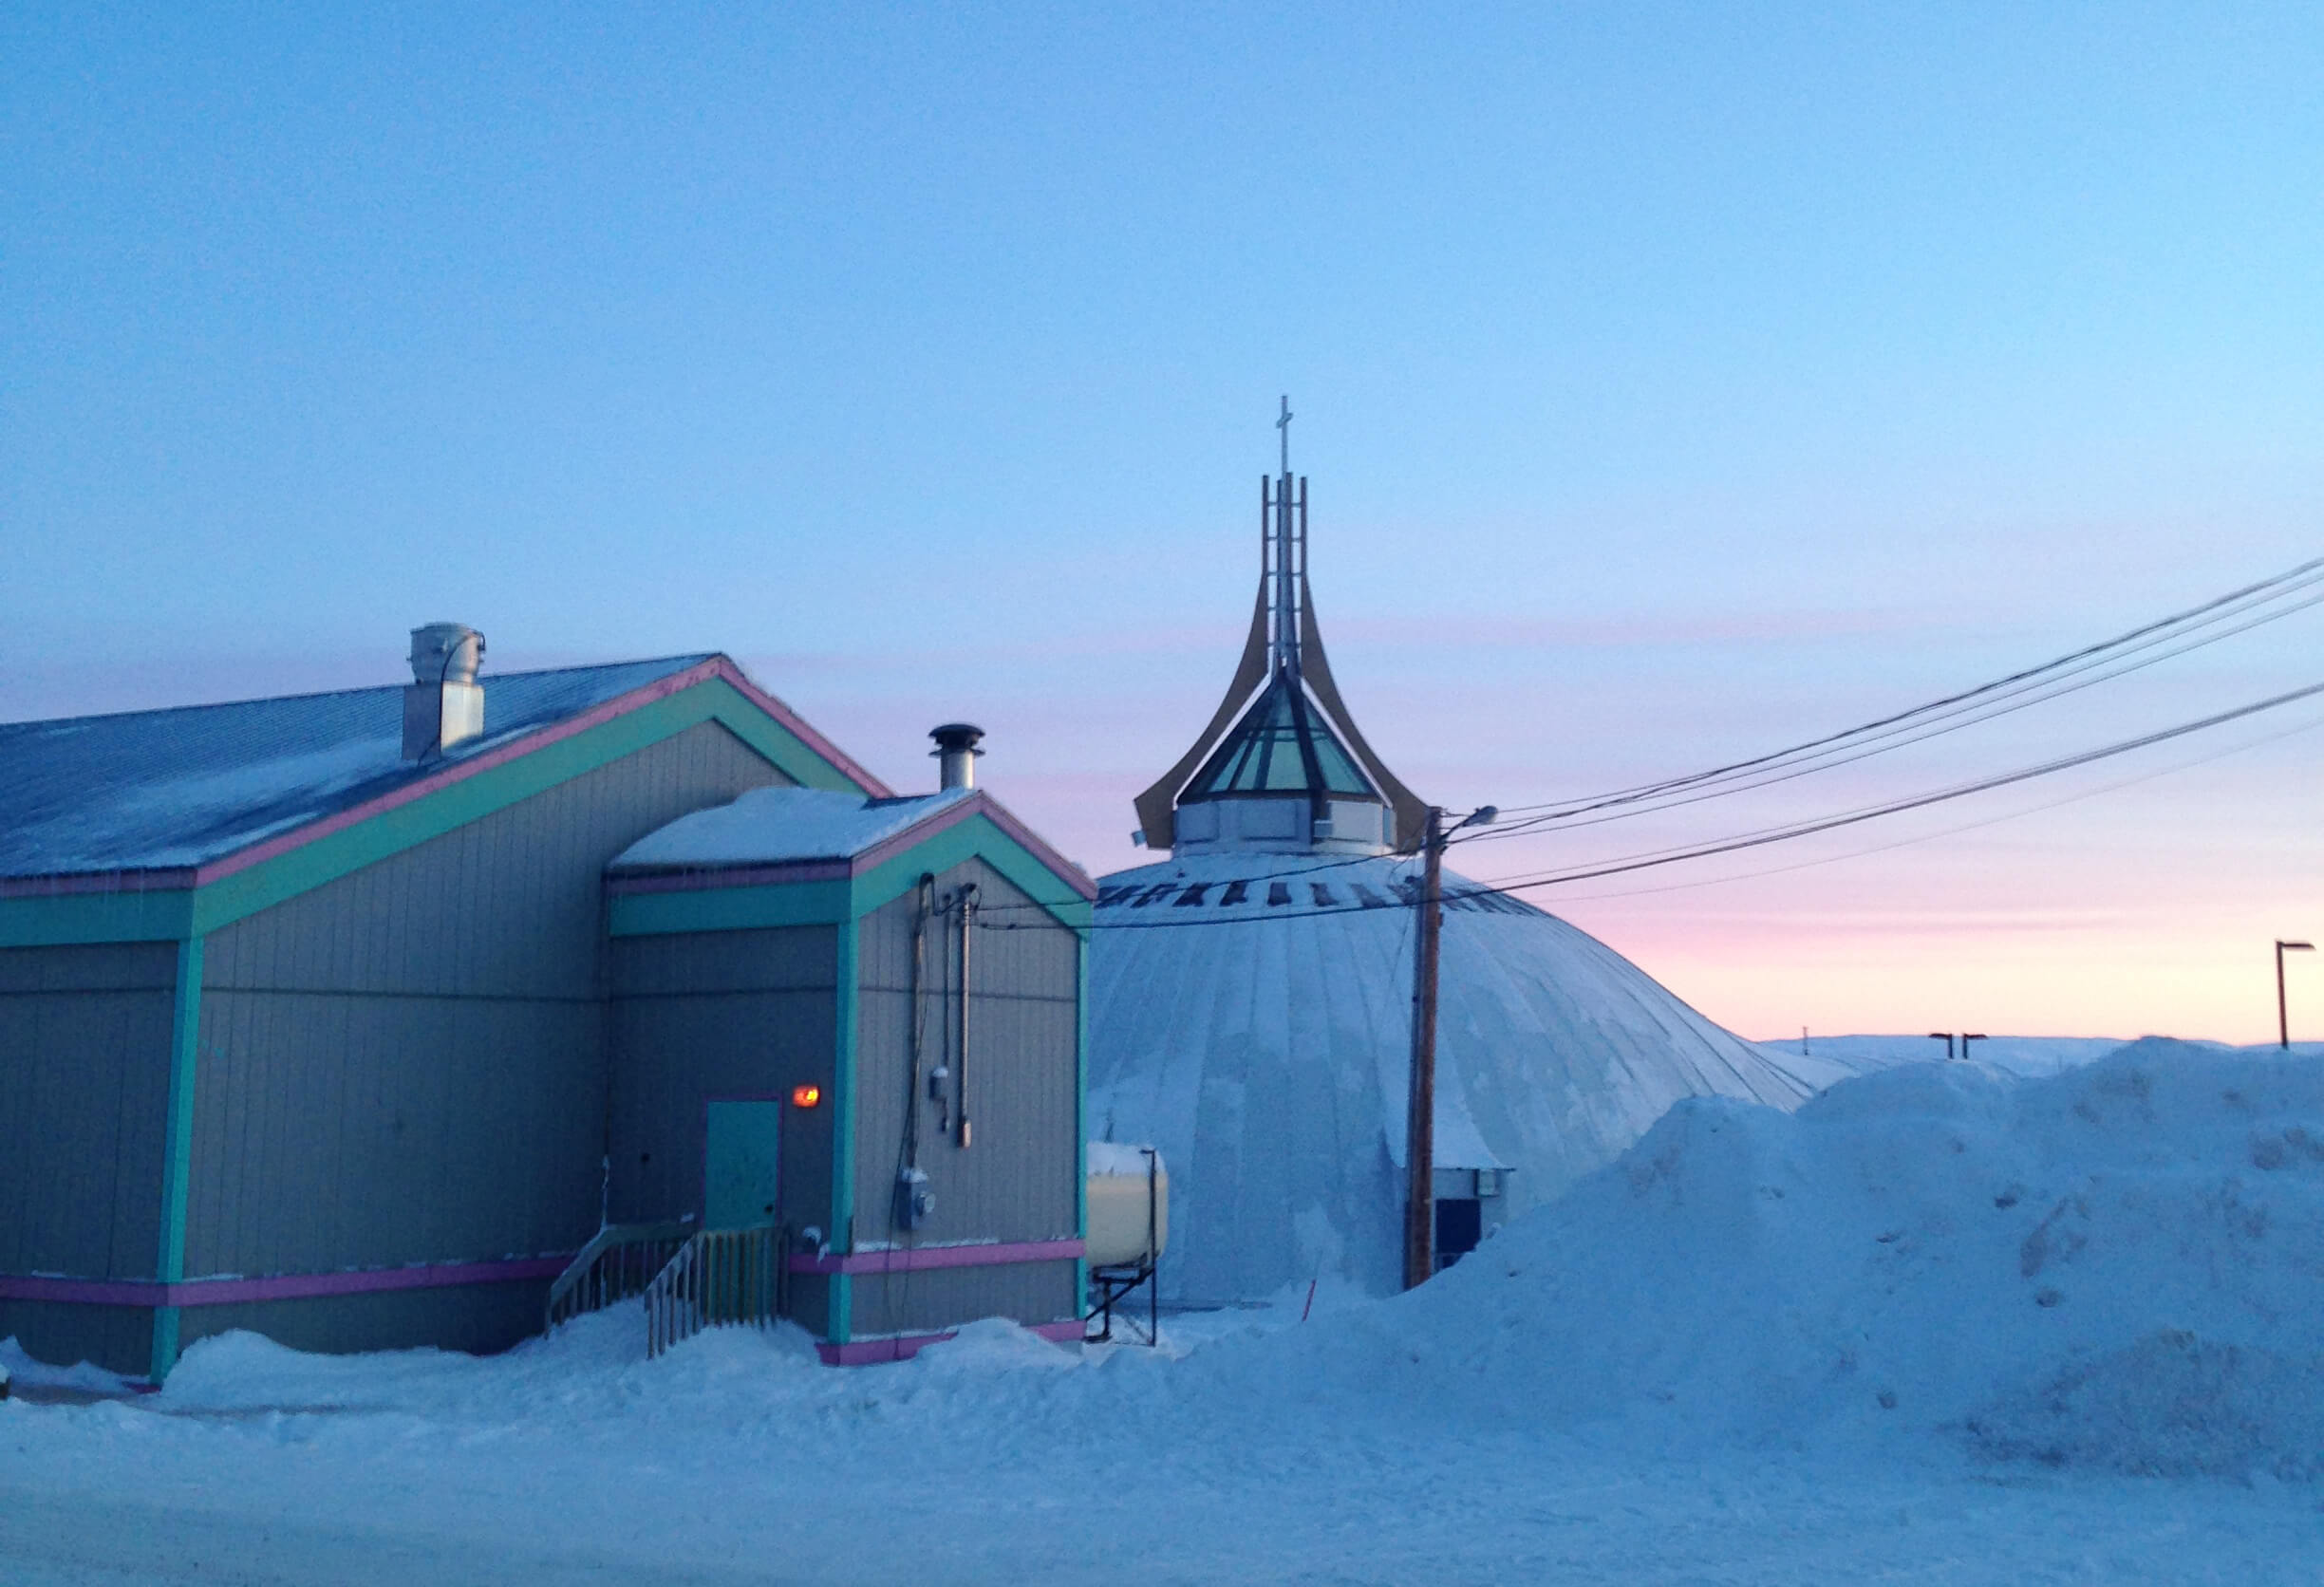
<point>1281,766</point>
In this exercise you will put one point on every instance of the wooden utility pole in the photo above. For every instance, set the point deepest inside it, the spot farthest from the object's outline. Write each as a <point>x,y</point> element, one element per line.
<point>1420,1113</point>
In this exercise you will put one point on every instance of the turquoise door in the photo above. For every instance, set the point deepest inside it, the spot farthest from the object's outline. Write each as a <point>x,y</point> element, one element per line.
<point>741,1156</point>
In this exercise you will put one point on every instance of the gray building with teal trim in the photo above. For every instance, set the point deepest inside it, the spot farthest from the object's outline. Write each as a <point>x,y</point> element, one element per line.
<point>352,1035</point>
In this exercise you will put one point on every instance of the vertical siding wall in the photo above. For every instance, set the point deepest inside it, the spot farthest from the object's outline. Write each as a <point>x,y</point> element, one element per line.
<point>409,1064</point>
<point>1016,1181</point>
<point>933,1299</point>
<point>710,1014</point>
<point>85,1050</point>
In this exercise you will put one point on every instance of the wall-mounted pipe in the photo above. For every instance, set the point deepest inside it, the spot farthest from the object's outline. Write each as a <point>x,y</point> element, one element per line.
<point>913,1199</point>
<point>968,896</point>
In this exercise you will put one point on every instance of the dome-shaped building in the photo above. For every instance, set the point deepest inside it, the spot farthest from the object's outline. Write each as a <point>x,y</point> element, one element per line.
<point>1251,996</point>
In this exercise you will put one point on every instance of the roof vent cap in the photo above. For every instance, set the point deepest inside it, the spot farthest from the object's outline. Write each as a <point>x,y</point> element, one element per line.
<point>445,653</point>
<point>443,705</point>
<point>956,753</point>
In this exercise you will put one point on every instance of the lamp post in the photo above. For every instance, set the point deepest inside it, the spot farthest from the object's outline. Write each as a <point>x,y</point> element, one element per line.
<point>1968,1036</point>
<point>1420,1101</point>
<point>2283,1022</point>
<point>1945,1037</point>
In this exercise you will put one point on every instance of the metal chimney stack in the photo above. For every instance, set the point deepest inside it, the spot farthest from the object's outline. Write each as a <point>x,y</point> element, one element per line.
<point>956,753</point>
<point>443,705</point>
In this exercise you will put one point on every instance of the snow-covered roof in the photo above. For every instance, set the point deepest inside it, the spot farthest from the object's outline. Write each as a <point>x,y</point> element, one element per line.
<point>1251,1016</point>
<point>775,826</point>
<point>161,790</point>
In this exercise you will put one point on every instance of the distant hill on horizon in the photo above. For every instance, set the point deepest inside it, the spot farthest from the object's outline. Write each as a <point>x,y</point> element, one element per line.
<point>1830,1059</point>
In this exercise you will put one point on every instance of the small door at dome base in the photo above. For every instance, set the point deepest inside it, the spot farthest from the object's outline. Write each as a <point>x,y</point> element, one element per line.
<point>1460,1224</point>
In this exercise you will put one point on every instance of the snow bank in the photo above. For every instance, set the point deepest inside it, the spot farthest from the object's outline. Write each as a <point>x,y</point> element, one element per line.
<point>21,1371</point>
<point>2172,1405</point>
<point>2120,1265</point>
<point>592,1365</point>
<point>591,1380</point>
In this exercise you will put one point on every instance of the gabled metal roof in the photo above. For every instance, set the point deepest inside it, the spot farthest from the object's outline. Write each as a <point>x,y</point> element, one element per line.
<point>157,790</point>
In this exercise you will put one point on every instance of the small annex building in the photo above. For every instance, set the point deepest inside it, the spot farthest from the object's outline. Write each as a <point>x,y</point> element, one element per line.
<point>352,1018</point>
<point>958,968</point>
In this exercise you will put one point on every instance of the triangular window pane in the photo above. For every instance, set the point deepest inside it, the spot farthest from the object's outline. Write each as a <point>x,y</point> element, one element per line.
<point>1281,746</point>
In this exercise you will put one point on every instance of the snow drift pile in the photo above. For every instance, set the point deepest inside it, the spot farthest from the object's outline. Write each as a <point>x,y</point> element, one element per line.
<point>2118,1267</point>
<point>2121,1265</point>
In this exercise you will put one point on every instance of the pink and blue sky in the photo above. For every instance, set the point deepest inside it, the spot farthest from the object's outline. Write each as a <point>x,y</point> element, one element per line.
<point>1675,381</point>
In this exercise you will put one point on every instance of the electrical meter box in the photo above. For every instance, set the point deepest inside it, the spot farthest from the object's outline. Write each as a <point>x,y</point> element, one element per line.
<point>915,1201</point>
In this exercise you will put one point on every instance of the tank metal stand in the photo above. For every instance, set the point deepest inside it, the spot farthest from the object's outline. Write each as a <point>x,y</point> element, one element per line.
<point>1109,1287</point>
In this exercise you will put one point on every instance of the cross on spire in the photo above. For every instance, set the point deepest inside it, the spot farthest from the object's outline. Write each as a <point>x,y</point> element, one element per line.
<point>1287,554</point>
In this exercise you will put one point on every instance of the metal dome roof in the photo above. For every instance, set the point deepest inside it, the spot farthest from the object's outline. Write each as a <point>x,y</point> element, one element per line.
<point>1251,1014</point>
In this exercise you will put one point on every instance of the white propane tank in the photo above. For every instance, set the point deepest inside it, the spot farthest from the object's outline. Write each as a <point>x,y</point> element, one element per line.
<point>1129,1205</point>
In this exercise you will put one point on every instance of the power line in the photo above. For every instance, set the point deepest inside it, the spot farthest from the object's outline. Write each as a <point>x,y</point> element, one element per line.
<point>1654,858</point>
<point>1971,702</point>
<point>1906,727</point>
<point>1878,744</point>
<point>1896,806</point>
<point>1964,827</point>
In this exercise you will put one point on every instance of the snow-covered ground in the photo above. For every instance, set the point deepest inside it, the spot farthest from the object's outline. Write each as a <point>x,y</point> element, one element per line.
<point>1942,1325</point>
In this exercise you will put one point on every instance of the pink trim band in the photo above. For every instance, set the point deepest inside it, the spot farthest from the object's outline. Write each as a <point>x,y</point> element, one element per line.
<point>982,803</point>
<point>920,1257</point>
<point>287,1286</point>
<point>701,878</point>
<point>734,674</point>
<point>1068,873</point>
<point>902,1347</point>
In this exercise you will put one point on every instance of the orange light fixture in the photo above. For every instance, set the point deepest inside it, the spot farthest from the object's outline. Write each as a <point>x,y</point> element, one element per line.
<point>807,1096</point>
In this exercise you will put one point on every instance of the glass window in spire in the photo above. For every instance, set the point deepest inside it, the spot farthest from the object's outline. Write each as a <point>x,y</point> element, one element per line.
<point>1281,746</point>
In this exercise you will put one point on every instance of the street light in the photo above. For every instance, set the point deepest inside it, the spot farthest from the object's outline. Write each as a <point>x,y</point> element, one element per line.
<point>1945,1037</point>
<point>2284,1023</point>
<point>1968,1036</point>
